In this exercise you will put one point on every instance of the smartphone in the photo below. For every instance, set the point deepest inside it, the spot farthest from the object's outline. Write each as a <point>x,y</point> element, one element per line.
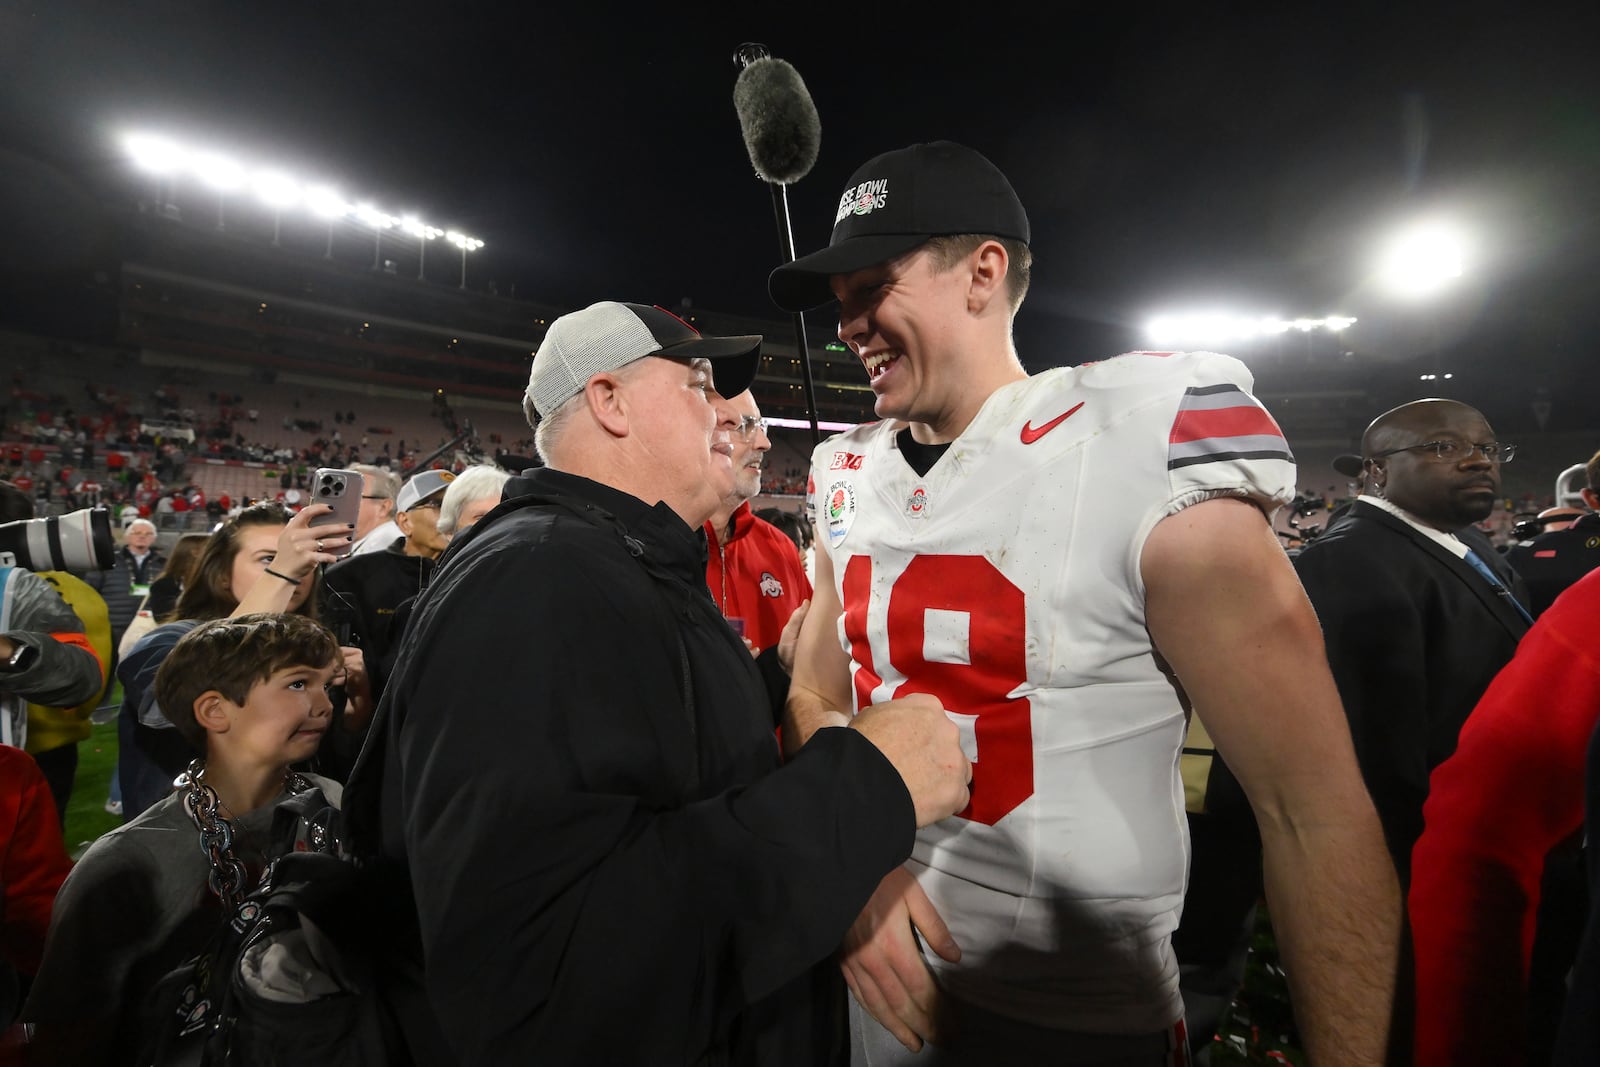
<point>341,490</point>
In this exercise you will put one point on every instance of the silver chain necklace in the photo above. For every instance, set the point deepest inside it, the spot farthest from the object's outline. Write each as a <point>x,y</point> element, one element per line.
<point>228,876</point>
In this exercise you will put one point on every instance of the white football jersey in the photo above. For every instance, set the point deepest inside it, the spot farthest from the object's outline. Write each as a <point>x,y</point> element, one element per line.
<point>1006,582</point>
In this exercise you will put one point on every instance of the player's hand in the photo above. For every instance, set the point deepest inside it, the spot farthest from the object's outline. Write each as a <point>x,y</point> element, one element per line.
<point>883,966</point>
<point>925,747</point>
<point>791,637</point>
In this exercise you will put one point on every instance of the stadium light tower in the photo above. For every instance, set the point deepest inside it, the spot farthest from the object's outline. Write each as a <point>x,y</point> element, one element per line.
<point>325,202</point>
<point>221,174</point>
<point>277,190</point>
<point>423,233</point>
<point>157,156</point>
<point>168,160</point>
<point>466,244</point>
<point>378,221</point>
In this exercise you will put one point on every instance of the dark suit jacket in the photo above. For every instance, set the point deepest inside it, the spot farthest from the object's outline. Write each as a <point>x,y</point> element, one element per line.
<point>1414,636</point>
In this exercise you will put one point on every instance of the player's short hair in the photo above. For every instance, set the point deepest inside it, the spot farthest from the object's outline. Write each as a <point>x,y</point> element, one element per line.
<point>951,249</point>
<point>232,656</point>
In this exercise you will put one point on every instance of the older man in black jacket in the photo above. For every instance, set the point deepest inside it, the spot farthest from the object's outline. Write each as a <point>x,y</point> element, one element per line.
<point>575,763</point>
<point>138,562</point>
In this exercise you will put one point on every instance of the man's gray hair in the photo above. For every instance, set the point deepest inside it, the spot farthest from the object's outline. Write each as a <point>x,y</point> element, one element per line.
<point>548,430</point>
<point>470,486</point>
<point>385,482</point>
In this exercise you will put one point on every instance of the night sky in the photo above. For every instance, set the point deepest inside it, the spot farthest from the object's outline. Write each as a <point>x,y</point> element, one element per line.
<point>1168,159</point>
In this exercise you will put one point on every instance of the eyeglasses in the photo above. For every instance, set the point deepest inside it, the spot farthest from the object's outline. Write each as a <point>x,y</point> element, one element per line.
<point>749,425</point>
<point>1456,451</point>
<point>370,496</point>
<point>426,505</point>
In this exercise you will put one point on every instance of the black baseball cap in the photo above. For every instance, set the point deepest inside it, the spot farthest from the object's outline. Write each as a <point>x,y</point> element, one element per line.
<point>895,202</point>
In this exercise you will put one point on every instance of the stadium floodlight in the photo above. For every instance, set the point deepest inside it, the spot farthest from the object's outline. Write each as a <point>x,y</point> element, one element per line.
<point>162,156</point>
<point>154,154</point>
<point>1422,259</point>
<point>276,188</point>
<point>325,202</point>
<point>419,229</point>
<point>423,233</point>
<point>222,174</point>
<point>372,218</point>
<point>1221,328</point>
<point>378,221</point>
<point>466,244</point>
<point>218,171</point>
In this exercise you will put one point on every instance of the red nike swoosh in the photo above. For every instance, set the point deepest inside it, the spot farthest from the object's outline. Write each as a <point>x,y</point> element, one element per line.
<point>1030,435</point>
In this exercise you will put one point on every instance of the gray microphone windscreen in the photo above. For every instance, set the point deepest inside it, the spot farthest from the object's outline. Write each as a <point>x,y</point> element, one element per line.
<point>778,119</point>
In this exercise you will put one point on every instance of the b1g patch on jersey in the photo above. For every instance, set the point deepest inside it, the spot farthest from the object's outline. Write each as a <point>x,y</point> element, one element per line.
<point>917,503</point>
<point>770,586</point>
<point>839,510</point>
<point>846,461</point>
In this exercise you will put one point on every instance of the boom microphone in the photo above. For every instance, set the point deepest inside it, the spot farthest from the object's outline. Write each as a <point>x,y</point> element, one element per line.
<point>782,134</point>
<point>778,119</point>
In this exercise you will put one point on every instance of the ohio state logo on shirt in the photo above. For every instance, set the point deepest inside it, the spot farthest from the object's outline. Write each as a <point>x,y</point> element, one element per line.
<point>770,586</point>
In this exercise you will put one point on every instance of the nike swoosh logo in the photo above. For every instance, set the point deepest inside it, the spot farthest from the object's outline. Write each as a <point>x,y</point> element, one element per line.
<point>1030,435</point>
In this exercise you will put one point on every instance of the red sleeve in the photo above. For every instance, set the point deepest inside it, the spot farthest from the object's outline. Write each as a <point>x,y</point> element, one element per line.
<point>1512,791</point>
<point>33,860</point>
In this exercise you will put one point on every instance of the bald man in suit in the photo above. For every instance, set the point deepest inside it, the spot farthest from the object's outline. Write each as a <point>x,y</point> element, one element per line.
<point>1417,611</point>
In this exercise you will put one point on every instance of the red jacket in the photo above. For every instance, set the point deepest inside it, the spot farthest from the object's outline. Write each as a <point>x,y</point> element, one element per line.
<point>1513,790</point>
<point>756,577</point>
<point>33,861</point>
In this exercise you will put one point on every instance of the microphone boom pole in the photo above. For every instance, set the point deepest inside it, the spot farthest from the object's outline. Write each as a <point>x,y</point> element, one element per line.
<point>746,55</point>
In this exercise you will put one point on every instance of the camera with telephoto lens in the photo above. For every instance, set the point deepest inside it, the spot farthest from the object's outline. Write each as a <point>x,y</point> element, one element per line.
<point>78,542</point>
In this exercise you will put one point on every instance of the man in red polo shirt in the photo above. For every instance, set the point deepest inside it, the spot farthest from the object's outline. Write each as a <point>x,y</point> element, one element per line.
<point>756,576</point>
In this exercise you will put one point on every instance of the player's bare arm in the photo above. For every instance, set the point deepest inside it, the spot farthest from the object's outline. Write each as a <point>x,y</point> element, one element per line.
<point>1226,611</point>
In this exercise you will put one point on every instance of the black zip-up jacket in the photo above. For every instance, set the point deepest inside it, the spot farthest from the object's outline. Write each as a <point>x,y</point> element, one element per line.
<point>367,591</point>
<point>607,868</point>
